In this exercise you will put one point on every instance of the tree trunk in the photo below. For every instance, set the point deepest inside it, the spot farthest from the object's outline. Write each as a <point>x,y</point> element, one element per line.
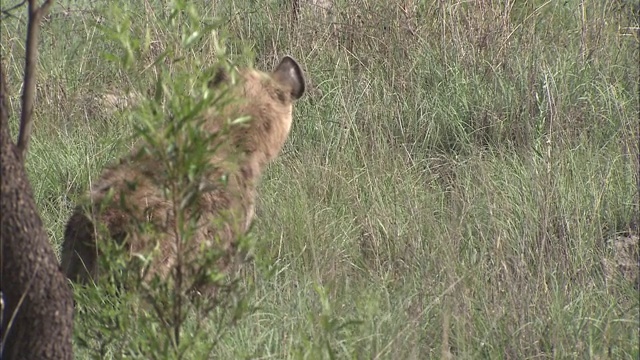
<point>37,318</point>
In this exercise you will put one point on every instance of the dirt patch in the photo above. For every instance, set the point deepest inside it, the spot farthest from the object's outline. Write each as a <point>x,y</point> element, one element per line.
<point>622,259</point>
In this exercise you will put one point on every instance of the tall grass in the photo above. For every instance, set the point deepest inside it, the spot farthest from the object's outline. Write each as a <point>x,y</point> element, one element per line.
<point>451,180</point>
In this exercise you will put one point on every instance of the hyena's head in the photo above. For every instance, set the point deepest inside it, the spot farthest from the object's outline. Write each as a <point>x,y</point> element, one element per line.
<point>267,98</point>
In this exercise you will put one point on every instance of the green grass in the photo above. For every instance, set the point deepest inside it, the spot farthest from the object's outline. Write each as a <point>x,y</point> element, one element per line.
<point>452,174</point>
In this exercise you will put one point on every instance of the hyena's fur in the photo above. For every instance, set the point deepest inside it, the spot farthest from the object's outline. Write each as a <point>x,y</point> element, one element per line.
<point>227,211</point>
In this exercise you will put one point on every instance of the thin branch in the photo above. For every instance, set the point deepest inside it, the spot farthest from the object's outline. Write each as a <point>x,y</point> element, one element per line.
<point>28,93</point>
<point>7,13</point>
<point>4,109</point>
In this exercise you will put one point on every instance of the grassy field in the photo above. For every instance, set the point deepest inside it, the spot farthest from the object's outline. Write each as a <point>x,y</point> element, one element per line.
<point>454,179</point>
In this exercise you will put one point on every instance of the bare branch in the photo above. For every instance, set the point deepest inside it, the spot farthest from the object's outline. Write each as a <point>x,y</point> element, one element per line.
<point>7,13</point>
<point>28,93</point>
<point>4,110</point>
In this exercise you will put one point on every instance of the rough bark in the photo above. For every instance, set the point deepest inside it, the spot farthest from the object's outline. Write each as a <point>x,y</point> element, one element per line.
<point>37,317</point>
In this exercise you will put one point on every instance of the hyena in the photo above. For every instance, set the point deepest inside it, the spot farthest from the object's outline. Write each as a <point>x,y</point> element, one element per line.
<point>225,211</point>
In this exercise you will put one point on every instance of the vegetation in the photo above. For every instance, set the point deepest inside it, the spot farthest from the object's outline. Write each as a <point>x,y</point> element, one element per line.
<point>453,182</point>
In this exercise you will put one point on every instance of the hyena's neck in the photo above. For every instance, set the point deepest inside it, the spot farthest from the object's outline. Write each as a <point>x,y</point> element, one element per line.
<point>247,167</point>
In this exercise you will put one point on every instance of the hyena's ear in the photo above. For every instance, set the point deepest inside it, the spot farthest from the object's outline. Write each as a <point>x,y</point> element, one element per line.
<point>289,74</point>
